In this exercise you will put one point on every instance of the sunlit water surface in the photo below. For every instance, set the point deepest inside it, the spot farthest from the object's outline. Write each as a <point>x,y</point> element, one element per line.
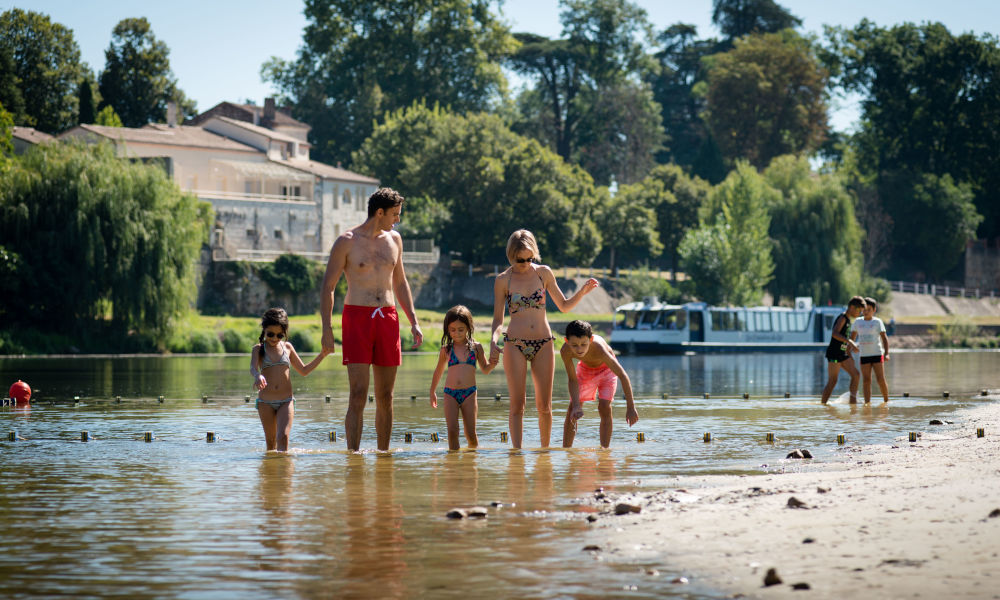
<point>181,518</point>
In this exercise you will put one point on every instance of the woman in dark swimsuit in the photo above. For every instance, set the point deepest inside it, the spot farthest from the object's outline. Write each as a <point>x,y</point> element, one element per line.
<point>520,291</point>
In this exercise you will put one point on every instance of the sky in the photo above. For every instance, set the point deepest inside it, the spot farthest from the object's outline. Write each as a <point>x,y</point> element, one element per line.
<point>218,46</point>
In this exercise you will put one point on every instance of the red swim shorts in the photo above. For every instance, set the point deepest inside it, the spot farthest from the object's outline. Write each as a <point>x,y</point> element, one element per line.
<point>596,380</point>
<point>371,335</point>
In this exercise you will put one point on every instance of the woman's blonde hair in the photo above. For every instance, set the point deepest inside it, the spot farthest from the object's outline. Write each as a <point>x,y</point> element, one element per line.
<point>522,239</point>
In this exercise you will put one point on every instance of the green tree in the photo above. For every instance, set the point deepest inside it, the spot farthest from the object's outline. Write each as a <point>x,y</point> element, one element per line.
<point>361,59</point>
<point>46,69</point>
<point>737,18</point>
<point>10,94</point>
<point>729,256</point>
<point>620,133</point>
<point>815,234</point>
<point>678,69</point>
<point>108,117</point>
<point>137,81</point>
<point>627,224</point>
<point>6,135</point>
<point>88,110</point>
<point>588,103</point>
<point>491,181</point>
<point>766,97</point>
<point>931,105</point>
<point>111,245</point>
<point>675,199</point>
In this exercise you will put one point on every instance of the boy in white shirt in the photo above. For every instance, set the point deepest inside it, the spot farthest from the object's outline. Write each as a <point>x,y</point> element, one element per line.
<point>869,331</point>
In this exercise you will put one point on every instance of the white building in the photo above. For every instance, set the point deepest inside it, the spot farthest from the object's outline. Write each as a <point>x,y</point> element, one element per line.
<point>269,197</point>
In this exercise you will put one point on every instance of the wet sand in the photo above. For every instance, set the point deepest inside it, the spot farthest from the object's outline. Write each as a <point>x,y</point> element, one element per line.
<point>900,521</point>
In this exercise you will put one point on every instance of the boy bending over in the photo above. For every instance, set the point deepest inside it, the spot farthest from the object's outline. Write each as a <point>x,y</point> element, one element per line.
<point>596,374</point>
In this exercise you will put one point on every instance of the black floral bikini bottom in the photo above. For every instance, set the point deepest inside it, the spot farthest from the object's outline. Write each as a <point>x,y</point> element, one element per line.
<point>529,348</point>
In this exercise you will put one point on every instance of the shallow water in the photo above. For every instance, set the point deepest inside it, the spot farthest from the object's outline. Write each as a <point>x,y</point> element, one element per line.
<point>181,518</point>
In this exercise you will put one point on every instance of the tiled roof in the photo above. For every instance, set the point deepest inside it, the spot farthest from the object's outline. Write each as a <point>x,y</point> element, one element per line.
<point>31,135</point>
<point>274,135</point>
<point>328,172</point>
<point>190,137</point>
<point>281,116</point>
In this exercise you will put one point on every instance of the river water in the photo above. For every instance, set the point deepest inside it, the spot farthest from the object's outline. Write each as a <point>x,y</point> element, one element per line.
<point>182,518</point>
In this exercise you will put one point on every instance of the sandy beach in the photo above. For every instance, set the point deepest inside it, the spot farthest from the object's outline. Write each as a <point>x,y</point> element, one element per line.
<point>900,521</point>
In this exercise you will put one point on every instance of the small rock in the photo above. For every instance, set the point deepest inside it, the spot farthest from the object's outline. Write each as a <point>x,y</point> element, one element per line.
<point>801,586</point>
<point>936,422</point>
<point>995,513</point>
<point>794,502</point>
<point>822,490</point>
<point>623,508</point>
<point>591,518</point>
<point>797,453</point>
<point>806,454</point>
<point>477,512</point>
<point>600,496</point>
<point>599,490</point>
<point>592,548</point>
<point>457,513</point>
<point>808,541</point>
<point>771,578</point>
<point>652,572</point>
<point>496,504</point>
<point>679,580</point>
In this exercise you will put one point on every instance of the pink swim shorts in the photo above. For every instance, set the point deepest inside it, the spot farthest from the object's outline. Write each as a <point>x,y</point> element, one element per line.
<point>599,381</point>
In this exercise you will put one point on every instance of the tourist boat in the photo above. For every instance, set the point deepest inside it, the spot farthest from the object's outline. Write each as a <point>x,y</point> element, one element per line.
<point>650,326</point>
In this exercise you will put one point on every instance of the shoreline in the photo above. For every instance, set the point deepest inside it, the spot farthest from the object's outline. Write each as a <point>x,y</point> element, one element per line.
<point>910,520</point>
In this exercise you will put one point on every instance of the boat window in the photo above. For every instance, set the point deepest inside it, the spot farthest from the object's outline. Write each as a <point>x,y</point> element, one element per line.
<point>626,319</point>
<point>781,321</point>
<point>671,319</point>
<point>828,321</point>
<point>646,319</point>
<point>742,323</point>
<point>800,321</point>
<point>763,321</point>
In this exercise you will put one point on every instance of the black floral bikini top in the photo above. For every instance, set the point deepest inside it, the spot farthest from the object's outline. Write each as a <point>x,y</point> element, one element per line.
<point>517,302</point>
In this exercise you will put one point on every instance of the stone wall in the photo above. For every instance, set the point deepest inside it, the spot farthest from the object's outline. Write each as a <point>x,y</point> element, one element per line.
<point>982,266</point>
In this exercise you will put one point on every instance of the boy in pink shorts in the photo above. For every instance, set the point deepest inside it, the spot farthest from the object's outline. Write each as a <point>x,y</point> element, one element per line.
<point>596,374</point>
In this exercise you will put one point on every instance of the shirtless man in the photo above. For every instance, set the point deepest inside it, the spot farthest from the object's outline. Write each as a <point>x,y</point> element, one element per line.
<point>371,257</point>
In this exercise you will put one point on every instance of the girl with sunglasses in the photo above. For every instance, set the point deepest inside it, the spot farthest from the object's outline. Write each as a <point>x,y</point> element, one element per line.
<point>270,363</point>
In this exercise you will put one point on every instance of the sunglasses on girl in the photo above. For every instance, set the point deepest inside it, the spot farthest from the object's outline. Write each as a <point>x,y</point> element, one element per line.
<point>524,260</point>
<point>272,334</point>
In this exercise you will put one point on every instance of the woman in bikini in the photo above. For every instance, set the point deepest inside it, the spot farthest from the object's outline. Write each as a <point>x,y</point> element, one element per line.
<point>520,291</point>
<point>270,364</point>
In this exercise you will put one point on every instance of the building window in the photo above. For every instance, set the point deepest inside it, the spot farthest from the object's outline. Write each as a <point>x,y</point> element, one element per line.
<point>347,198</point>
<point>277,234</point>
<point>251,233</point>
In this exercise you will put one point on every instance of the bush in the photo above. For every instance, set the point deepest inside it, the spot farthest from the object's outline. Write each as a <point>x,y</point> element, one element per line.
<point>234,341</point>
<point>958,331</point>
<point>196,342</point>
<point>304,341</point>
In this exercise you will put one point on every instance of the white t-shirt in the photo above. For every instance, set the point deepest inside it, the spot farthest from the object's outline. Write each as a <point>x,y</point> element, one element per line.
<point>869,335</point>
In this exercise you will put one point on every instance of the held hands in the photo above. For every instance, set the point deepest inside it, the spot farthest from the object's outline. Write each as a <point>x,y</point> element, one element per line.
<point>576,411</point>
<point>434,399</point>
<point>418,337</point>
<point>495,353</point>
<point>329,347</point>
<point>852,346</point>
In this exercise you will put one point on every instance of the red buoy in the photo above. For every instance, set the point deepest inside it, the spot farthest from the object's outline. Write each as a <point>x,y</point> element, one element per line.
<point>21,392</point>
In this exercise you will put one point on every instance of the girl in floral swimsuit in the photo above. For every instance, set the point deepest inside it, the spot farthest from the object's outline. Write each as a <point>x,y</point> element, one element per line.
<point>520,291</point>
<point>460,386</point>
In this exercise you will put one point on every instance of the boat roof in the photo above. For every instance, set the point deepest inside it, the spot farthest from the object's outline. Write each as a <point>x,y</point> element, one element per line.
<point>655,305</point>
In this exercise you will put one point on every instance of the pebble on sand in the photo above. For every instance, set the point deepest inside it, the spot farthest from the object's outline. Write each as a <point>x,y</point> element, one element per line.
<point>794,502</point>
<point>995,513</point>
<point>457,513</point>
<point>797,453</point>
<point>623,508</point>
<point>771,578</point>
<point>801,586</point>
